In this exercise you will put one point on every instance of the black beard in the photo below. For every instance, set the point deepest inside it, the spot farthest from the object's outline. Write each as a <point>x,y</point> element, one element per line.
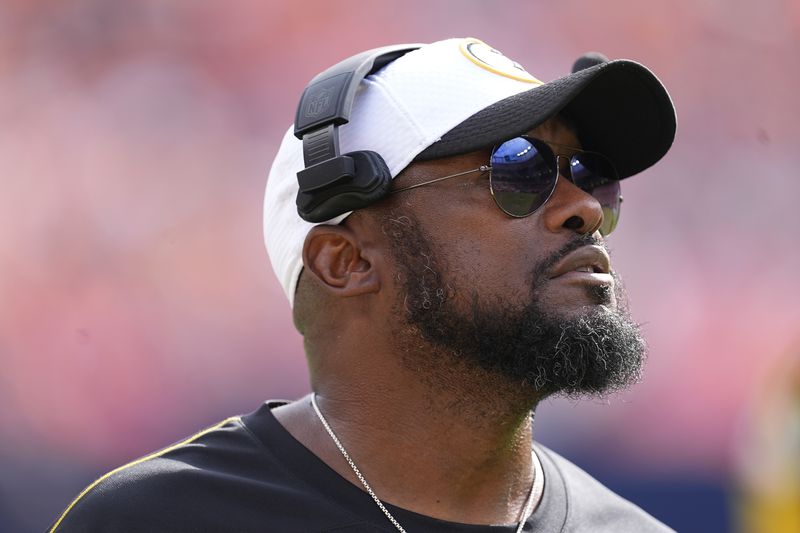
<point>596,352</point>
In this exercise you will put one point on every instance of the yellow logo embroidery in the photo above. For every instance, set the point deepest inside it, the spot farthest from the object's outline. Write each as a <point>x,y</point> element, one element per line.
<point>492,60</point>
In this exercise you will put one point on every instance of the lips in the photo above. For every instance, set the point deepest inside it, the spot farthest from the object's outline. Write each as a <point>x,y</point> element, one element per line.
<point>587,260</point>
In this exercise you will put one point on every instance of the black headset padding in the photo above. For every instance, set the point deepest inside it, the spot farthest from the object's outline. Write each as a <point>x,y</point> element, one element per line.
<point>332,184</point>
<point>369,184</point>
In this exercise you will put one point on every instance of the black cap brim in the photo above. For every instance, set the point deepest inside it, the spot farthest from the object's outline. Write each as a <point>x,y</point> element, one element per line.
<point>619,108</point>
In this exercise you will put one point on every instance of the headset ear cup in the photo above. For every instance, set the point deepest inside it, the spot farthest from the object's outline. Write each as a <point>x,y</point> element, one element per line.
<point>372,176</point>
<point>369,183</point>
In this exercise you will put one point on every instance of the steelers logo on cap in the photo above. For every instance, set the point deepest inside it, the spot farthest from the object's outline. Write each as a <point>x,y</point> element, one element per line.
<point>492,60</point>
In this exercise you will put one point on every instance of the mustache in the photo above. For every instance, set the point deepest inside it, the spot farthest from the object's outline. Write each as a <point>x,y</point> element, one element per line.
<point>579,241</point>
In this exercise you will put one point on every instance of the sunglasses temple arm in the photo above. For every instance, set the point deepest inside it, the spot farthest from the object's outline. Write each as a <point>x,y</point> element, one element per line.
<point>482,168</point>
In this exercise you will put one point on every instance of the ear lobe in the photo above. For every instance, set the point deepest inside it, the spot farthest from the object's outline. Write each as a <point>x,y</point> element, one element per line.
<point>334,256</point>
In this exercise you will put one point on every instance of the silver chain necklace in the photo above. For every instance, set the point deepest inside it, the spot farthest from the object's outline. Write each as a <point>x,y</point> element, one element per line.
<point>535,484</point>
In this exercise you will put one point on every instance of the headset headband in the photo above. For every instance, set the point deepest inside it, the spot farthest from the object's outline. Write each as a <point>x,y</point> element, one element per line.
<point>324,106</point>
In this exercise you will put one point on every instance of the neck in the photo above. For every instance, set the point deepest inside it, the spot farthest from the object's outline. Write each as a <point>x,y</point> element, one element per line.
<point>455,445</point>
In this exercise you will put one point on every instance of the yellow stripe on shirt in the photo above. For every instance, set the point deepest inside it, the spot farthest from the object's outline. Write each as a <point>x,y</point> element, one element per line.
<point>136,462</point>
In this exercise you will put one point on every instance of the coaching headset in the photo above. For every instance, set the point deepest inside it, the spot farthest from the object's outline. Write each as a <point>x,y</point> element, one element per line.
<point>333,183</point>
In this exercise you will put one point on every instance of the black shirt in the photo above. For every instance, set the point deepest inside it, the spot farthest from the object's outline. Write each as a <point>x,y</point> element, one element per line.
<point>248,473</point>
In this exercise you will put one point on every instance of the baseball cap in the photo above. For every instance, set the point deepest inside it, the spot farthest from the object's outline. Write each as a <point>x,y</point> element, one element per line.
<point>459,95</point>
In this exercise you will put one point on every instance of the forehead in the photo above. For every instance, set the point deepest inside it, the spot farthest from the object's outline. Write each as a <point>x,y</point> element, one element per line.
<point>557,130</point>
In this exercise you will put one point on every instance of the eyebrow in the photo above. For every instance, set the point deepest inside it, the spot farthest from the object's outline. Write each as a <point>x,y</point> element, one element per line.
<point>562,145</point>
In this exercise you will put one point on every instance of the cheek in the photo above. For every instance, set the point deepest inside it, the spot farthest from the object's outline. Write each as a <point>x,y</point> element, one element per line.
<point>492,257</point>
<point>477,247</point>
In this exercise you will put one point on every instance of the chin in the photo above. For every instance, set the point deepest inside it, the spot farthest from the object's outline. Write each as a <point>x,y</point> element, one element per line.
<point>602,295</point>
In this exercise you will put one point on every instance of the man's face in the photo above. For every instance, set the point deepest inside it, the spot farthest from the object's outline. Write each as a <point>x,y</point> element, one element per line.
<point>520,297</point>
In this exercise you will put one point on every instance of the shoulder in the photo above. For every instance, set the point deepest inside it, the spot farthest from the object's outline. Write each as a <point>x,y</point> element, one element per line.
<point>237,475</point>
<point>591,505</point>
<point>146,494</point>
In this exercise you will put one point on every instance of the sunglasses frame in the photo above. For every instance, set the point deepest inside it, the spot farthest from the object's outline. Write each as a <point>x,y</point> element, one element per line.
<point>535,142</point>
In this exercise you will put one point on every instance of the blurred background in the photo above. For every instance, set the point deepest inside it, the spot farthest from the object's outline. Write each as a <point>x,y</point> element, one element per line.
<point>137,303</point>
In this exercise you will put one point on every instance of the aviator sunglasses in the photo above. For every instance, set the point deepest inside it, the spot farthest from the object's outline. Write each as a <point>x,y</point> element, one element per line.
<point>523,172</point>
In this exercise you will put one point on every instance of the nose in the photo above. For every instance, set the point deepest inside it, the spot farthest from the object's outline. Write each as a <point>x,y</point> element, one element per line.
<point>572,208</point>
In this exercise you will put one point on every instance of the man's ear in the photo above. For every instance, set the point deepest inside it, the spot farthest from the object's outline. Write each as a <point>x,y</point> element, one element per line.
<point>334,255</point>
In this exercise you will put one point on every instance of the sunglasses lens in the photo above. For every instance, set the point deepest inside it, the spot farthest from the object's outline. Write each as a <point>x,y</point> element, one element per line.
<point>523,175</point>
<point>596,175</point>
<point>609,197</point>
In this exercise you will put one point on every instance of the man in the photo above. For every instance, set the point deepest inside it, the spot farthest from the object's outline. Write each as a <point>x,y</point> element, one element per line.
<point>435,314</point>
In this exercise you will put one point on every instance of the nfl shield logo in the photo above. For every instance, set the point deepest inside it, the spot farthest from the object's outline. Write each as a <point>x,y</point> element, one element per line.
<point>318,103</point>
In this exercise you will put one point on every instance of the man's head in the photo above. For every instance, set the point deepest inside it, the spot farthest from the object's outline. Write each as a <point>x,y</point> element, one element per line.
<point>453,281</point>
